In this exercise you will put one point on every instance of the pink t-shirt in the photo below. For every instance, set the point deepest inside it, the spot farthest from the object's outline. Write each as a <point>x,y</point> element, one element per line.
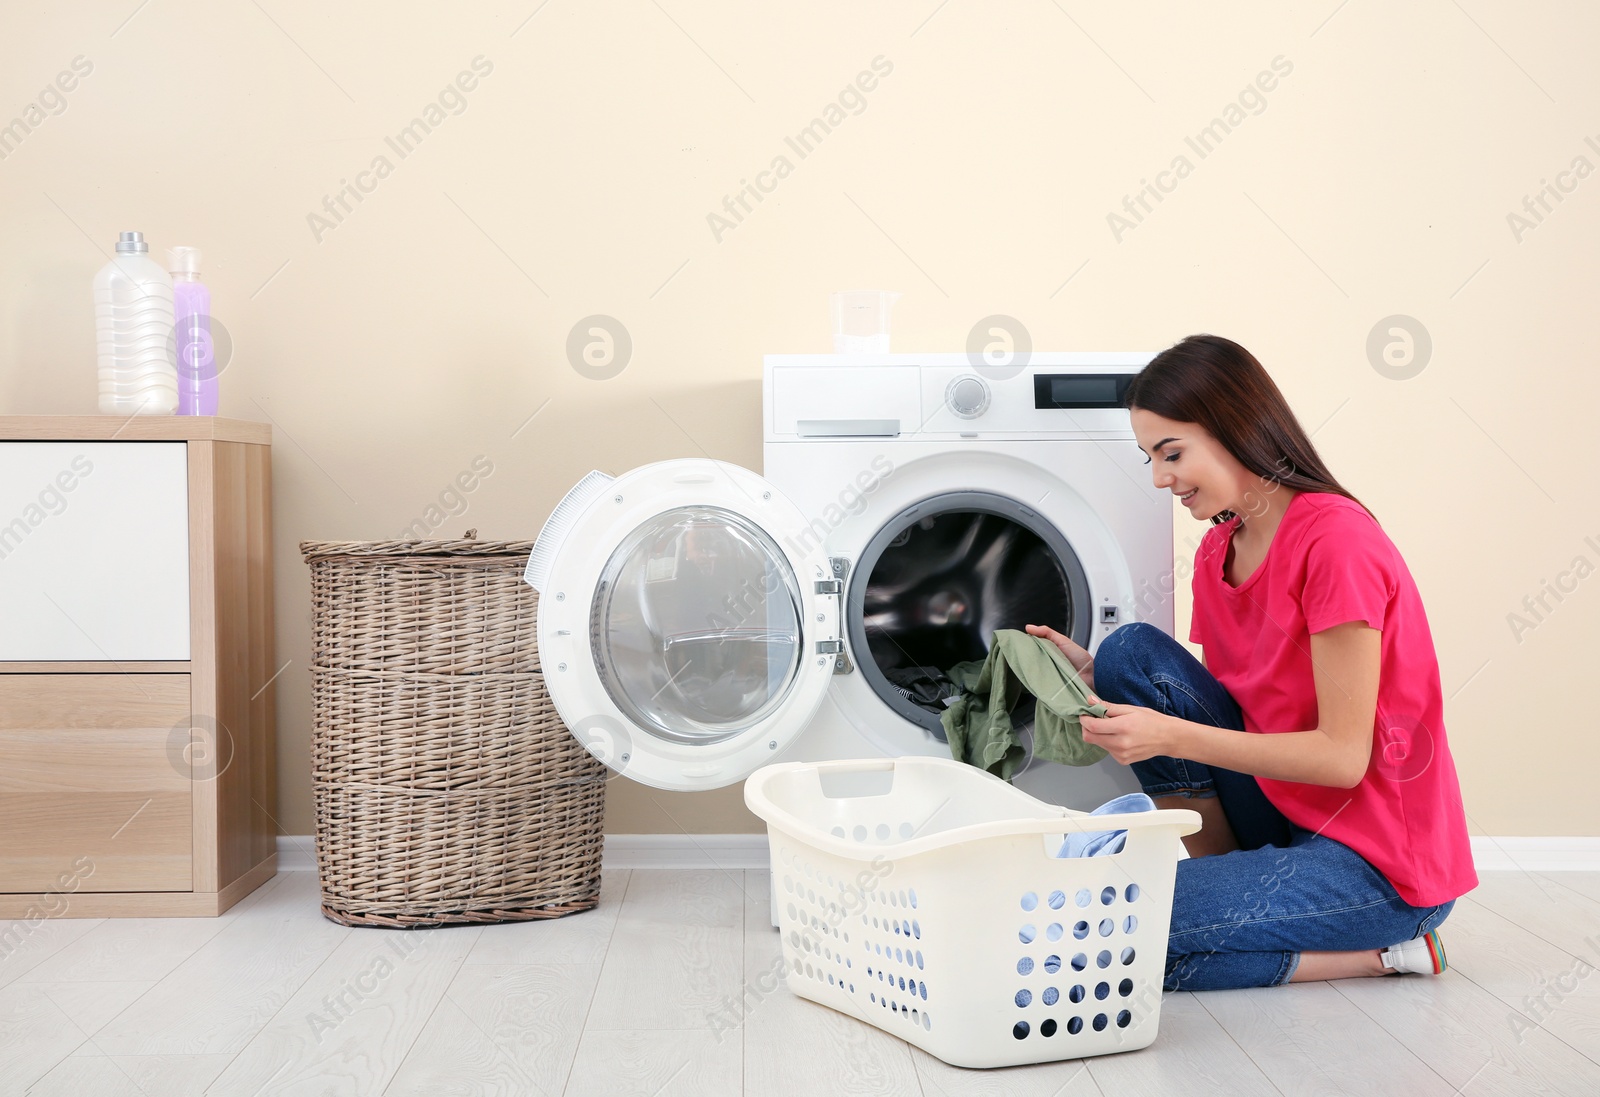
<point>1330,562</point>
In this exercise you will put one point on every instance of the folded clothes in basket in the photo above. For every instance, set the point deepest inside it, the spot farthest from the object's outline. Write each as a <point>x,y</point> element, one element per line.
<point>1100,843</point>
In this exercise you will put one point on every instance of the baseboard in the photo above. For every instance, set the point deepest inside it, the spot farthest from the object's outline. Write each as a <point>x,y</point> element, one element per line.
<point>296,853</point>
<point>725,851</point>
<point>1540,854</point>
<point>739,851</point>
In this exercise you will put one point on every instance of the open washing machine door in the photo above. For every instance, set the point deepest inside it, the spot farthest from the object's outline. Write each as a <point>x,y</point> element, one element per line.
<point>685,634</point>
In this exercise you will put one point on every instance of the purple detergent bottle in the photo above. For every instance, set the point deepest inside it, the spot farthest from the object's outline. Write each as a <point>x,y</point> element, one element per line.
<point>196,354</point>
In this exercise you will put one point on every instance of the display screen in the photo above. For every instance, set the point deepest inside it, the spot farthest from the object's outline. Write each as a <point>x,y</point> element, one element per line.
<point>1079,390</point>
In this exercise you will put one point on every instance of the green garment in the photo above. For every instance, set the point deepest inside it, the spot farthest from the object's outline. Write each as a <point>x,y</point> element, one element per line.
<point>978,722</point>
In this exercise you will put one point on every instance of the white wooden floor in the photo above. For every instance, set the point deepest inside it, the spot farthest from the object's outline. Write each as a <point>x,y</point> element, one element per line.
<point>631,999</point>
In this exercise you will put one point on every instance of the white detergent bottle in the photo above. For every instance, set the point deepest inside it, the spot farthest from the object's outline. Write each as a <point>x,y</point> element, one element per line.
<point>133,312</point>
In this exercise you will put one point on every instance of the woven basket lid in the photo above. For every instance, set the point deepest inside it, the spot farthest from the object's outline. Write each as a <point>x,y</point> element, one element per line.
<point>467,546</point>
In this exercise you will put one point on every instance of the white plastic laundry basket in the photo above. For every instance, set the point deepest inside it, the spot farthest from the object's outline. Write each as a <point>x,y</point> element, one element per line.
<point>924,896</point>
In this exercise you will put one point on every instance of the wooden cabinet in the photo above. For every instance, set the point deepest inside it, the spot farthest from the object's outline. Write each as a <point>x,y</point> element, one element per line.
<point>137,755</point>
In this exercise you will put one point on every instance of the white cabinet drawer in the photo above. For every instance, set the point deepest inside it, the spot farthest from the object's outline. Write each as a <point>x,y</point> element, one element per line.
<point>94,551</point>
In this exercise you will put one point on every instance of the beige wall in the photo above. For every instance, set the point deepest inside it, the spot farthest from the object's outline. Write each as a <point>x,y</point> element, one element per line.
<point>423,330</point>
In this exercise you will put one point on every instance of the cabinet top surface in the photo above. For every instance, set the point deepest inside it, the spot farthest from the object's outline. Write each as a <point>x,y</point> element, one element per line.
<point>138,428</point>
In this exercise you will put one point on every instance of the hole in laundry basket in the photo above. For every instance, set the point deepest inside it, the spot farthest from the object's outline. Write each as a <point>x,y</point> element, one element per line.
<point>1075,1025</point>
<point>852,988</point>
<point>904,901</point>
<point>872,996</point>
<point>788,883</point>
<point>882,831</point>
<point>1075,995</point>
<point>1079,962</point>
<point>1024,998</point>
<point>1099,1022</point>
<point>916,929</point>
<point>1029,901</point>
<point>1104,959</point>
<point>927,1022</point>
<point>1102,991</point>
<point>1081,930</point>
<point>859,833</point>
<point>919,959</point>
<point>794,938</point>
<point>913,1016</point>
<point>1108,896</point>
<point>1129,924</point>
<point>1054,931</point>
<point>792,912</point>
<point>1058,899</point>
<point>894,899</point>
<point>1132,892</point>
<point>1020,1030</point>
<point>1048,1028</point>
<point>1108,926</point>
<point>1026,934</point>
<point>923,990</point>
<point>1050,996</point>
<point>811,896</point>
<point>837,832</point>
<point>1052,964</point>
<point>1083,898</point>
<point>1123,1018</point>
<point>809,973</point>
<point>1025,966</point>
<point>902,982</point>
<point>1127,955</point>
<point>907,830</point>
<point>898,955</point>
<point>1125,987</point>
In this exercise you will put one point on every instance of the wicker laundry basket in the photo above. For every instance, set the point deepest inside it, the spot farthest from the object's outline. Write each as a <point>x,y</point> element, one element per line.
<point>447,788</point>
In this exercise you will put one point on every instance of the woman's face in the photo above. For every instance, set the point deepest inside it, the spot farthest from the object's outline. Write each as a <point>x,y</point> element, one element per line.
<point>1186,460</point>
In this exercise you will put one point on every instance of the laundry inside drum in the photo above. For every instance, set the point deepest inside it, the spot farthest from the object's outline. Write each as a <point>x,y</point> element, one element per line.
<point>938,587</point>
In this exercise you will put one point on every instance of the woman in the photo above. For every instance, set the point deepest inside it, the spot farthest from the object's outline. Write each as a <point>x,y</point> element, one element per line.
<point>1311,739</point>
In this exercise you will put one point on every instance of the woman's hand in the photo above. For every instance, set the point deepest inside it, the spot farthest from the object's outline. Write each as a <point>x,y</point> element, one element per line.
<point>1081,660</point>
<point>1129,733</point>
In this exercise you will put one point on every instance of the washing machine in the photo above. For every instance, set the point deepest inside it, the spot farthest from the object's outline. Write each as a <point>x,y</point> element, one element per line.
<point>697,621</point>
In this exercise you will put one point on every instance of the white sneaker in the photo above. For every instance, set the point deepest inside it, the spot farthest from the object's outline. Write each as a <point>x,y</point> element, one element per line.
<point>1424,955</point>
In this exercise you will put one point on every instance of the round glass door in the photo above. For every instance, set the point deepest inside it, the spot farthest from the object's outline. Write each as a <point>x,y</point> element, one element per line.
<point>695,625</point>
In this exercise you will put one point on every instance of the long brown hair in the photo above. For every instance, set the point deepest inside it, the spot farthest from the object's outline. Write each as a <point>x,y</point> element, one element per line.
<point>1216,383</point>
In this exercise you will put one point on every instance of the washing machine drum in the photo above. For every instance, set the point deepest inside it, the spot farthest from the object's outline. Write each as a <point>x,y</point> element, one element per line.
<point>932,587</point>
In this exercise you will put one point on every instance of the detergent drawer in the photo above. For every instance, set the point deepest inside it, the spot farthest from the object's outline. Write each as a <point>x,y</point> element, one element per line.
<point>94,551</point>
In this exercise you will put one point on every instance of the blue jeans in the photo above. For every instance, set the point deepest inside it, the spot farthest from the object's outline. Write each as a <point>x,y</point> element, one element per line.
<point>1242,918</point>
